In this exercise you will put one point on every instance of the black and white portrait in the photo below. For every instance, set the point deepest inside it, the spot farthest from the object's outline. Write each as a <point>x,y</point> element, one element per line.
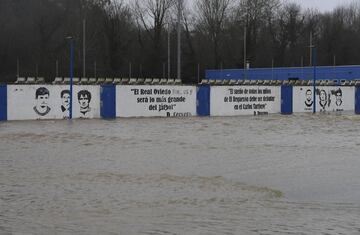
<point>324,99</point>
<point>65,103</point>
<point>84,99</point>
<point>338,97</point>
<point>309,98</point>
<point>42,96</point>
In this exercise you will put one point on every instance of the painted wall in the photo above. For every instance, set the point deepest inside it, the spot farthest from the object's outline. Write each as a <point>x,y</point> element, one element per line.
<point>244,100</point>
<point>327,99</point>
<point>155,101</point>
<point>31,102</point>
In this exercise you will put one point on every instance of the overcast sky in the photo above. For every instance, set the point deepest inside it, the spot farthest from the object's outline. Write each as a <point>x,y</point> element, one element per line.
<point>322,5</point>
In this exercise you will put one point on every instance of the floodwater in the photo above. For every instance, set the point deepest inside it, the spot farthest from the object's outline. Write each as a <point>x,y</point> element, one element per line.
<point>272,174</point>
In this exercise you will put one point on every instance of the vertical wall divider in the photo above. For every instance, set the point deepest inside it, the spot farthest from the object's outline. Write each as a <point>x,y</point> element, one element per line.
<point>108,101</point>
<point>3,102</point>
<point>203,100</point>
<point>357,99</point>
<point>286,100</point>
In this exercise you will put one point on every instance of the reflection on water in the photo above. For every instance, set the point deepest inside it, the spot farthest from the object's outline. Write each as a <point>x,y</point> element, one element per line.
<point>245,175</point>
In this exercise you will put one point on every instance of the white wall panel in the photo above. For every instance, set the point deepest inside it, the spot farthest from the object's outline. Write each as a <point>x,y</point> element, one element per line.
<point>24,104</point>
<point>328,98</point>
<point>244,100</point>
<point>155,101</point>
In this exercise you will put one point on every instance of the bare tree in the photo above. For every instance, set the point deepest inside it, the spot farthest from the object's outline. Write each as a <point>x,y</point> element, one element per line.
<point>254,16</point>
<point>151,16</point>
<point>122,31</point>
<point>118,29</point>
<point>287,34</point>
<point>212,15</point>
<point>187,19</point>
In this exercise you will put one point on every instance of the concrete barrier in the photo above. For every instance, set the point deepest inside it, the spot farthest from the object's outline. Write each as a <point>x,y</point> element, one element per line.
<point>32,102</point>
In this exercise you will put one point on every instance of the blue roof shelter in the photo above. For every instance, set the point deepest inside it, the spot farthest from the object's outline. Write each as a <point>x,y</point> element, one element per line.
<point>292,73</point>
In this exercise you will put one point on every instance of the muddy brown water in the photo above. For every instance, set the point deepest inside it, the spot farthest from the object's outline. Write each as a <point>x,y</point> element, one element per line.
<point>242,175</point>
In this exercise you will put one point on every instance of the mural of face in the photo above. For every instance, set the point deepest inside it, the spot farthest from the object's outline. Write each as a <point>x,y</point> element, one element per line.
<point>84,98</point>
<point>65,100</point>
<point>42,101</point>
<point>42,96</point>
<point>309,98</point>
<point>84,102</point>
<point>338,97</point>
<point>322,95</point>
<point>323,99</point>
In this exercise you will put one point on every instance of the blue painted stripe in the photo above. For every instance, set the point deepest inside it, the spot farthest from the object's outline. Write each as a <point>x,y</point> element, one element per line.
<point>286,100</point>
<point>108,101</point>
<point>3,102</point>
<point>203,100</point>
